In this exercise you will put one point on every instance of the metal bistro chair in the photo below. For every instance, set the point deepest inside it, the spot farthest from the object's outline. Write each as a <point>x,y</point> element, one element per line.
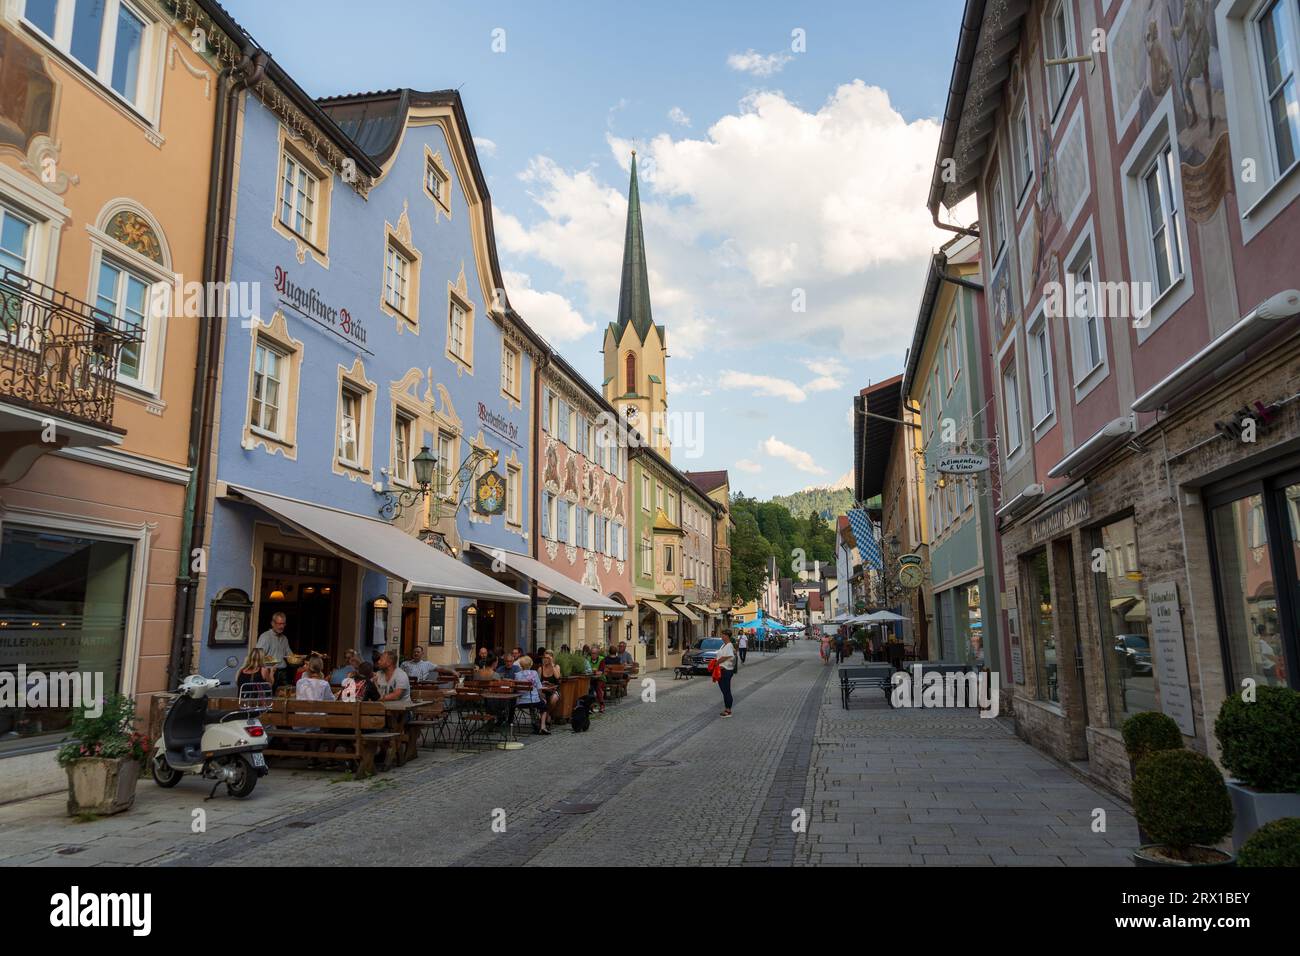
<point>474,721</point>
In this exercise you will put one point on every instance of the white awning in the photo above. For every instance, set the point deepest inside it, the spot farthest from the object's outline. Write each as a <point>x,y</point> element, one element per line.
<point>552,580</point>
<point>379,546</point>
<point>685,611</point>
<point>663,610</point>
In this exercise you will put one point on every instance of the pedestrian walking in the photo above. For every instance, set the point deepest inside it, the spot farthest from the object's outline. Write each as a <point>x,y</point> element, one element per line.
<point>826,649</point>
<point>726,659</point>
<point>743,644</point>
<point>839,648</point>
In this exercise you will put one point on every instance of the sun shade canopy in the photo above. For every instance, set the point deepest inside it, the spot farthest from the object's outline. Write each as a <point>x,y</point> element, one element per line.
<point>551,579</point>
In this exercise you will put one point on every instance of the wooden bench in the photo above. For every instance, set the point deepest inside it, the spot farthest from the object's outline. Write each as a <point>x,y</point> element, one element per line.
<point>350,731</point>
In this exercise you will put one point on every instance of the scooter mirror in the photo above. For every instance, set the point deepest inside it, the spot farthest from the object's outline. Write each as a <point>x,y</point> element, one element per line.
<point>232,661</point>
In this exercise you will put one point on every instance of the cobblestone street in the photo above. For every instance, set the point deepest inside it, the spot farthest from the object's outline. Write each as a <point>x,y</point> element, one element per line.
<point>662,783</point>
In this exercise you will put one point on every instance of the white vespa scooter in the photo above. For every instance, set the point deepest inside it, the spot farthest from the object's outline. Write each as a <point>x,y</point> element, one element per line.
<point>220,745</point>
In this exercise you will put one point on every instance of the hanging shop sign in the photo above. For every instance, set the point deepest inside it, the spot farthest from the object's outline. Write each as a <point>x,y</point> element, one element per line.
<point>490,494</point>
<point>963,464</point>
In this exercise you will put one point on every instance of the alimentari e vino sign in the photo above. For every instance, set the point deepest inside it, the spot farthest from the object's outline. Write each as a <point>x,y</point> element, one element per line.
<point>963,464</point>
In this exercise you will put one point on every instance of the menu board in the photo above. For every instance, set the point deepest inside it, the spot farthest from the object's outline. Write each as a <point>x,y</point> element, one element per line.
<point>1170,655</point>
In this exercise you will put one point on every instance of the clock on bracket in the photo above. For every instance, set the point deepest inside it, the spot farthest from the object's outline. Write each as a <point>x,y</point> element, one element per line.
<point>911,576</point>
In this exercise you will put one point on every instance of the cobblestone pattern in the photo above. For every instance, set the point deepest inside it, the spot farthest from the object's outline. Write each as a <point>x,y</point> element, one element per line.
<point>926,787</point>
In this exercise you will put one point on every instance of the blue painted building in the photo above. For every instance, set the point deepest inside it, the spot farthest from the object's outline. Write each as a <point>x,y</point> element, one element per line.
<point>382,329</point>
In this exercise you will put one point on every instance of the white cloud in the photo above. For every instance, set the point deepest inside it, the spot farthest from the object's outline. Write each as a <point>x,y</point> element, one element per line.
<point>678,116</point>
<point>549,313</point>
<point>756,64</point>
<point>762,385</point>
<point>485,146</point>
<point>744,464</point>
<point>830,374</point>
<point>788,453</point>
<point>842,218</point>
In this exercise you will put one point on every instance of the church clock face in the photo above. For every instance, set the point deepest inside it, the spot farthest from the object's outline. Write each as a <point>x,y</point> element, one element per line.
<point>629,412</point>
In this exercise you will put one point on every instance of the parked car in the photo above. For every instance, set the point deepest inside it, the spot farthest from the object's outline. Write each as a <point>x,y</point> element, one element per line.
<point>1134,653</point>
<point>701,652</point>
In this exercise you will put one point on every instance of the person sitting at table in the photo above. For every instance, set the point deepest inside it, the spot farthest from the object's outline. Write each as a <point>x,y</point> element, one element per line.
<point>509,666</point>
<point>361,685</point>
<point>550,674</point>
<point>416,667</point>
<point>532,698</point>
<point>393,684</point>
<point>254,671</point>
<point>481,655</point>
<point>347,668</point>
<point>486,669</point>
<point>624,657</point>
<point>597,671</point>
<point>313,685</point>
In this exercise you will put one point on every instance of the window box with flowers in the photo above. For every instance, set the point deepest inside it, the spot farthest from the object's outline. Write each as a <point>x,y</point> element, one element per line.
<point>103,758</point>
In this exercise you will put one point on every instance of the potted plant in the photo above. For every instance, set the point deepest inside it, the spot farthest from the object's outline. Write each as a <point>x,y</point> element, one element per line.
<point>1144,734</point>
<point>1181,800</point>
<point>1276,843</point>
<point>103,758</point>
<point>1257,742</point>
<point>574,682</point>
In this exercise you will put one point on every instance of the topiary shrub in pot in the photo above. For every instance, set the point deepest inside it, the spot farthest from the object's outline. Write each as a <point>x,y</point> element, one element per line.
<point>1276,843</point>
<point>1149,732</point>
<point>1181,800</point>
<point>1258,744</point>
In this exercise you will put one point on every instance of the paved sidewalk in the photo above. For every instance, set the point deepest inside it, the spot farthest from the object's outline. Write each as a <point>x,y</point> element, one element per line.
<point>949,788</point>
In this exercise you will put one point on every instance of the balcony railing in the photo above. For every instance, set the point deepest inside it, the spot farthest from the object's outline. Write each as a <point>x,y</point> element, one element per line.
<point>57,353</point>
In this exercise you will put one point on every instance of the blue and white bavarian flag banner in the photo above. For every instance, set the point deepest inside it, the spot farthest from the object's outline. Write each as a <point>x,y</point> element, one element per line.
<point>864,532</point>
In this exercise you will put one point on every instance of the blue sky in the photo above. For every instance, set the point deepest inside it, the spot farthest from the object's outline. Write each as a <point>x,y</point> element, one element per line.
<point>783,188</point>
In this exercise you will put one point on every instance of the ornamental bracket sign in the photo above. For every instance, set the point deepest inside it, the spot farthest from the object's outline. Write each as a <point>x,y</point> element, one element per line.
<point>962,464</point>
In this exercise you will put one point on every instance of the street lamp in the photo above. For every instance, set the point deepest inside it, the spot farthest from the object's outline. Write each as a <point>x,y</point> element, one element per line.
<point>424,464</point>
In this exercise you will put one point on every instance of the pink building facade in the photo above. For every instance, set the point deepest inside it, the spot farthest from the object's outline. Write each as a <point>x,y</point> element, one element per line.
<point>1136,173</point>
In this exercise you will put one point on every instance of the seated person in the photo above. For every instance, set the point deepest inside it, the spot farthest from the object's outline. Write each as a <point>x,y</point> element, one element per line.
<point>509,667</point>
<point>394,686</point>
<point>313,685</point>
<point>624,656</point>
<point>486,668</point>
<point>360,686</point>
<point>416,667</point>
<point>347,668</point>
<point>532,698</point>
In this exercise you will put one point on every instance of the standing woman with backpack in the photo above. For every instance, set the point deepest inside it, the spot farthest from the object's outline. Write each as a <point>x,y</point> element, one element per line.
<point>726,664</point>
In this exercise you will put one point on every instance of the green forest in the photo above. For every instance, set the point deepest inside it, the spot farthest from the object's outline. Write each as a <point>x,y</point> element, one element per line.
<point>767,529</point>
<point>825,501</point>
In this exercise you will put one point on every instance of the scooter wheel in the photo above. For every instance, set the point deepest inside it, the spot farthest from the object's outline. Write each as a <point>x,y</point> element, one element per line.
<point>245,778</point>
<point>163,773</point>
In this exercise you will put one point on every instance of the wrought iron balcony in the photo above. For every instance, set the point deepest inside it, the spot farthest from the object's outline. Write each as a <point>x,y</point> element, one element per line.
<point>59,355</point>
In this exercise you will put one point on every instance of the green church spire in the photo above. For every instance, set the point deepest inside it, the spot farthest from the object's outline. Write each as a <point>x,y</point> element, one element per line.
<point>634,293</point>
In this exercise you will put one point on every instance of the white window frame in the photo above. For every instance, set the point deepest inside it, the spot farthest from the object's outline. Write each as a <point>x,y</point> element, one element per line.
<point>1085,378</point>
<point>457,345</point>
<point>510,369</point>
<point>1011,422</point>
<point>403,429</point>
<point>144,101</point>
<point>1291,42</point>
<point>144,381</point>
<point>997,214</point>
<point>1022,152</point>
<point>312,196</point>
<point>1158,133</point>
<point>448,465</point>
<point>261,344</point>
<point>397,279</point>
<point>645,493</point>
<point>1042,374</point>
<point>347,391</point>
<point>1249,125</point>
<point>1057,98</point>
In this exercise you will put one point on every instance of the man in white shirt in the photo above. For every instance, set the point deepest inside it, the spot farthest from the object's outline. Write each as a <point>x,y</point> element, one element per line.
<point>276,646</point>
<point>417,667</point>
<point>726,658</point>
<point>391,681</point>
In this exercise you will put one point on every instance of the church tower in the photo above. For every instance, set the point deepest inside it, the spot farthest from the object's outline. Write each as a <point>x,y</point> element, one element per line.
<point>635,349</point>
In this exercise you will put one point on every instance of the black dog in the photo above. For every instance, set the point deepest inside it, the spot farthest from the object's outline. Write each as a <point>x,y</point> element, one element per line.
<point>580,720</point>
